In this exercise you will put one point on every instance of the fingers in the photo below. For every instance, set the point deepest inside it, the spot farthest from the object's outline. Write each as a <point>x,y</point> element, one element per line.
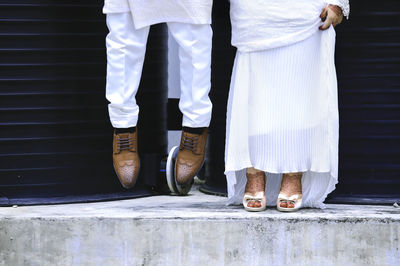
<point>338,11</point>
<point>327,24</point>
<point>324,13</point>
<point>339,20</point>
<point>330,17</point>
<point>336,22</point>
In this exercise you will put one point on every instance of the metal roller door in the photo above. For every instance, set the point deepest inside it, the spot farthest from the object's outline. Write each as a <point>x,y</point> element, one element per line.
<point>55,137</point>
<point>368,67</point>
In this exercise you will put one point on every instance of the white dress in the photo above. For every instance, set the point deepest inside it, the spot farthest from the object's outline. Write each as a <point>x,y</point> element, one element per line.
<point>282,112</point>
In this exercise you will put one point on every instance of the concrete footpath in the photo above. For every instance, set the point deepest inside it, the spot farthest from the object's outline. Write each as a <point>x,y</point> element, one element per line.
<point>197,230</point>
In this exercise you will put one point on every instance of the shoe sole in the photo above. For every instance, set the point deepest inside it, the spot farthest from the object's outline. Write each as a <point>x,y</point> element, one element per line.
<point>250,209</point>
<point>287,209</point>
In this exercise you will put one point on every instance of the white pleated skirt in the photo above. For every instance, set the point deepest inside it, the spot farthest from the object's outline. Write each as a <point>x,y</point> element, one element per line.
<point>282,117</point>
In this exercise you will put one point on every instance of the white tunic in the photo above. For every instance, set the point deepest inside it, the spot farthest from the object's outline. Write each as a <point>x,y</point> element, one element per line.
<point>148,12</point>
<point>282,112</point>
<point>266,24</point>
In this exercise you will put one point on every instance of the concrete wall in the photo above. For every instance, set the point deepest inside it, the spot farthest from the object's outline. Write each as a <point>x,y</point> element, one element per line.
<point>198,241</point>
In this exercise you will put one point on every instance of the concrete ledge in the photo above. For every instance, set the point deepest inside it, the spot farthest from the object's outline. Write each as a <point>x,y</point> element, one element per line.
<point>197,230</point>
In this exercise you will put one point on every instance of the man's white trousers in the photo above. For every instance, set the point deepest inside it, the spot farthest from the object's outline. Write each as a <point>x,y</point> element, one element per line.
<point>126,47</point>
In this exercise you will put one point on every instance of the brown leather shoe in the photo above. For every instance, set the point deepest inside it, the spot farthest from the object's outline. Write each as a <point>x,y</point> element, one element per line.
<point>190,156</point>
<point>126,158</point>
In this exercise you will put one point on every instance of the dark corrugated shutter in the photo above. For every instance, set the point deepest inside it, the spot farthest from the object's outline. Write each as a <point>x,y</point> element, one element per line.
<point>55,137</point>
<point>222,61</point>
<point>368,66</point>
<point>52,63</point>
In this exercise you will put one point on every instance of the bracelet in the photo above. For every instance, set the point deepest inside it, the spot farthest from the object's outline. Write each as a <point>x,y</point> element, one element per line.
<point>338,11</point>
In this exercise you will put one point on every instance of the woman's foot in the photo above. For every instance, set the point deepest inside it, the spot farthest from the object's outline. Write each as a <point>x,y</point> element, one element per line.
<point>290,196</point>
<point>254,197</point>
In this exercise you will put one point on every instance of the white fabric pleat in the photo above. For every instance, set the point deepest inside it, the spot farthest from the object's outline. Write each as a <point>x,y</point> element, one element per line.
<point>266,24</point>
<point>283,117</point>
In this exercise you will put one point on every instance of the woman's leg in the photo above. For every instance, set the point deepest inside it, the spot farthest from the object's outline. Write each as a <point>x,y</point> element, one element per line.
<point>255,183</point>
<point>291,185</point>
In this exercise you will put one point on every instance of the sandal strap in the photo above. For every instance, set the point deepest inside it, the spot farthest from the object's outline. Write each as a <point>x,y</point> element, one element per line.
<point>255,199</point>
<point>294,197</point>
<point>259,196</point>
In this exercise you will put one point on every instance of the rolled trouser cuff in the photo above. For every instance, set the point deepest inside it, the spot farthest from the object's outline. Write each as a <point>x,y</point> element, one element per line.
<point>123,117</point>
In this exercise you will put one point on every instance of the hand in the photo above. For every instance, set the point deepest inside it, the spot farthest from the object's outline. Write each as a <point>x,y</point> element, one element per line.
<point>331,15</point>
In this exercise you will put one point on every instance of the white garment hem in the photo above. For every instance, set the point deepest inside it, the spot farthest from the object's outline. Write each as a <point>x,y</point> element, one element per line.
<point>124,124</point>
<point>276,171</point>
<point>195,125</point>
<point>193,21</point>
<point>307,201</point>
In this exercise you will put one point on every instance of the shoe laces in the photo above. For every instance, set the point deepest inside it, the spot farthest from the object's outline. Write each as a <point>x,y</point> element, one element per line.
<point>125,143</point>
<point>189,142</point>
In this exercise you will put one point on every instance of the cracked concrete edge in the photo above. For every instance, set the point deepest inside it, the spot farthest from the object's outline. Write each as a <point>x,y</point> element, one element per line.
<point>196,242</point>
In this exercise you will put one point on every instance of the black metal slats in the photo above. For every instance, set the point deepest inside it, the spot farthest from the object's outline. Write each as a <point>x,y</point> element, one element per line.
<point>53,51</point>
<point>222,61</point>
<point>368,67</point>
<point>55,135</point>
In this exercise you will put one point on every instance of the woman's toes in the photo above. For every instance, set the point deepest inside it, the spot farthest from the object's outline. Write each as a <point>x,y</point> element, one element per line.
<point>250,204</point>
<point>290,205</point>
<point>283,204</point>
<point>257,204</point>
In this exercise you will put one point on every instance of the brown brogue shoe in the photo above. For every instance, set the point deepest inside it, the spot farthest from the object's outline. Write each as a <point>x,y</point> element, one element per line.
<point>190,156</point>
<point>126,158</point>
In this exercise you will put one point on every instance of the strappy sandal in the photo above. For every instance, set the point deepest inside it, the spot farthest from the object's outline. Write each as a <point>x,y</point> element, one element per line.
<point>257,181</point>
<point>295,199</point>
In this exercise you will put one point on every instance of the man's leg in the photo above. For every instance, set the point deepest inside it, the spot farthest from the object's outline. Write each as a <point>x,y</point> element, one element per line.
<point>195,42</point>
<point>126,48</point>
